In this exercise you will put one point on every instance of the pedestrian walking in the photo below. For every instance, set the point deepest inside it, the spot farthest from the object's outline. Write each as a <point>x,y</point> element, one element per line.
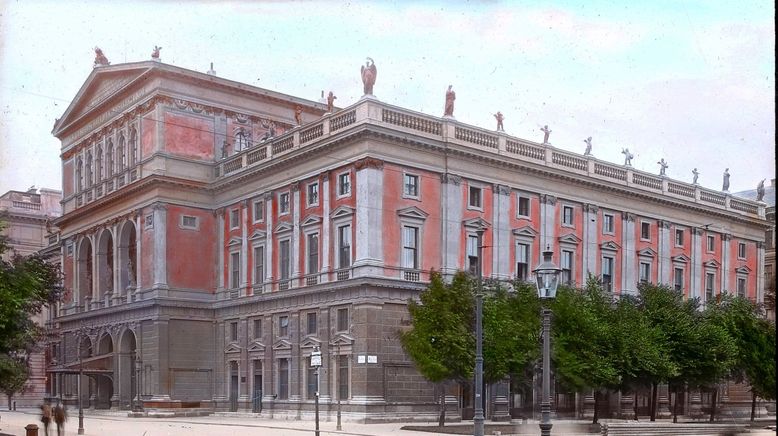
<point>46,416</point>
<point>60,416</point>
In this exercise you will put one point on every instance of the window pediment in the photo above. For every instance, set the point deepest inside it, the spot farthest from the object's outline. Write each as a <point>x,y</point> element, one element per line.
<point>282,227</point>
<point>283,344</point>
<point>525,232</point>
<point>258,234</point>
<point>610,246</point>
<point>310,343</point>
<point>232,348</point>
<point>476,224</point>
<point>570,239</point>
<point>311,220</point>
<point>342,212</point>
<point>681,258</point>
<point>234,242</point>
<point>711,264</point>
<point>256,346</point>
<point>647,252</point>
<point>743,269</point>
<point>342,340</point>
<point>413,213</point>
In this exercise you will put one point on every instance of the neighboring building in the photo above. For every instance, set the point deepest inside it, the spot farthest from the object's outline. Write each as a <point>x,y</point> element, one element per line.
<point>28,217</point>
<point>211,244</point>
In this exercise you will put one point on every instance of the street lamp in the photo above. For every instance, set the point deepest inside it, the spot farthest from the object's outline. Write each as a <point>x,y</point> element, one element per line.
<point>478,412</point>
<point>337,386</point>
<point>547,281</point>
<point>316,363</point>
<point>138,407</point>
<point>80,374</point>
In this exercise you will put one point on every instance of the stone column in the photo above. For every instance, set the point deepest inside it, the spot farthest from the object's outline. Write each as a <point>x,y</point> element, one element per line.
<point>296,362</point>
<point>760,285</point>
<point>162,363</point>
<point>663,255</point>
<point>219,267</point>
<point>325,228</point>
<point>244,250</point>
<point>269,266</point>
<point>547,221</point>
<point>451,222</point>
<point>501,234</point>
<point>369,216</point>
<point>628,253</point>
<point>117,265</point>
<point>696,263</point>
<point>160,248</point>
<point>138,254</point>
<point>295,246</point>
<point>219,365</point>
<point>725,262</point>
<point>590,239</point>
<point>95,294</point>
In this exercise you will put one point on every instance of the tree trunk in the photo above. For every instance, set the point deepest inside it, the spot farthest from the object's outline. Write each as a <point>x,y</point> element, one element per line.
<point>753,405</point>
<point>596,414</point>
<point>713,404</point>
<point>675,407</point>
<point>654,393</point>
<point>442,416</point>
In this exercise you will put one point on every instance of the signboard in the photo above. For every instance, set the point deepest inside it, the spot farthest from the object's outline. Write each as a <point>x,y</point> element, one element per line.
<point>316,359</point>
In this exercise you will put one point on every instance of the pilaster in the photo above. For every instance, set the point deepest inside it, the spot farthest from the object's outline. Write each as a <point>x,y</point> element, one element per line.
<point>269,267</point>
<point>325,228</point>
<point>760,285</point>
<point>696,263</point>
<point>501,235</point>
<point>451,217</point>
<point>160,246</point>
<point>548,221</point>
<point>725,262</point>
<point>628,253</point>
<point>664,253</point>
<point>220,248</point>
<point>296,246</point>
<point>244,250</point>
<point>369,217</point>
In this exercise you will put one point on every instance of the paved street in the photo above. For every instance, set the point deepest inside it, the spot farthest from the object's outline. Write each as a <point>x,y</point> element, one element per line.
<point>115,424</point>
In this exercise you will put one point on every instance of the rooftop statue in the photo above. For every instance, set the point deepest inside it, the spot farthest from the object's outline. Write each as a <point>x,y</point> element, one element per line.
<point>100,59</point>
<point>588,150</point>
<point>725,184</point>
<point>331,102</point>
<point>499,117</point>
<point>760,190</point>
<point>546,133</point>
<point>298,115</point>
<point>696,176</point>
<point>627,157</point>
<point>369,74</point>
<point>662,166</point>
<point>155,53</point>
<point>448,110</point>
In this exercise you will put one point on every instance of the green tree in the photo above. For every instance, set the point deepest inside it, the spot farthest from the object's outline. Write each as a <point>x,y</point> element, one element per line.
<point>13,376</point>
<point>441,342</point>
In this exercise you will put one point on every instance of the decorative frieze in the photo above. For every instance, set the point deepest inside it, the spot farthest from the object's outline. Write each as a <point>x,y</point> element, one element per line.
<point>452,179</point>
<point>547,199</point>
<point>593,208</point>
<point>368,162</point>
<point>501,189</point>
<point>628,216</point>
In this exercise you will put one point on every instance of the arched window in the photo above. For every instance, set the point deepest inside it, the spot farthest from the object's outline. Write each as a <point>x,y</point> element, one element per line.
<point>99,164</point>
<point>89,169</point>
<point>133,151</point>
<point>79,172</point>
<point>109,159</point>
<point>120,154</point>
<point>241,140</point>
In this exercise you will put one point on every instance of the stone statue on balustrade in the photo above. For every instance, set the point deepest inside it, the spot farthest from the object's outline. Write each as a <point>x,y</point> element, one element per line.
<point>298,115</point>
<point>331,102</point>
<point>130,274</point>
<point>369,74</point>
<point>760,190</point>
<point>100,59</point>
<point>696,176</point>
<point>725,184</point>
<point>499,117</point>
<point>546,134</point>
<point>662,167</point>
<point>627,157</point>
<point>588,151</point>
<point>155,53</point>
<point>448,110</point>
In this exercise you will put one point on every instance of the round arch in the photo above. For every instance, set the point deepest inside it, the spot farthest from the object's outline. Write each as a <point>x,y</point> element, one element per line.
<point>127,256</point>
<point>84,265</point>
<point>105,263</point>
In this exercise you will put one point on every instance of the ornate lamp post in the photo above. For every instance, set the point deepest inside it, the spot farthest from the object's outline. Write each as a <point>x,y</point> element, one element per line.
<point>337,387</point>
<point>547,276</point>
<point>138,407</point>
<point>316,363</point>
<point>478,412</point>
<point>80,374</point>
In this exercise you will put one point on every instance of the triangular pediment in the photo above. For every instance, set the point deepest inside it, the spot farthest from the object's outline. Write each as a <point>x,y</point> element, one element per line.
<point>234,241</point>
<point>283,227</point>
<point>647,252</point>
<point>256,346</point>
<point>476,223</point>
<point>311,220</point>
<point>569,238</point>
<point>342,211</point>
<point>310,343</point>
<point>283,344</point>
<point>525,231</point>
<point>713,263</point>
<point>681,258</point>
<point>342,340</point>
<point>743,269</point>
<point>232,348</point>
<point>99,87</point>
<point>258,234</point>
<point>610,246</point>
<point>413,212</point>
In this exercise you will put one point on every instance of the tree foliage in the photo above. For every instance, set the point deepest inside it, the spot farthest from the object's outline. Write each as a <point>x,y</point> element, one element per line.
<point>13,375</point>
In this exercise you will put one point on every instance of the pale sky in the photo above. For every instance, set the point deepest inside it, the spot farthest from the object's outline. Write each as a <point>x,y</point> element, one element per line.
<point>689,81</point>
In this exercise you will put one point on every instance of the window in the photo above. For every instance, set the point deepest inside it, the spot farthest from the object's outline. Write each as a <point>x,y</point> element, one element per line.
<point>283,325</point>
<point>258,214</point>
<point>259,264</point>
<point>109,159</point>
<point>234,218</point>
<point>645,272</point>
<point>711,243</point>
<point>567,215</point>
<point>189,222</point>
<point>344,246</point>
<point>709,283</point>
<point>312,196</point>
<point>121,154</point>
<point>645,231</point>
<point>79,179</point>
<point>678,279</point>
<point>241,140</point>
<point>283,203</point>
<point>257,328</point>
<point>741,287</point>
<point>567,267</point>
<point>474,197</point>
<point>522,262</point>
<point>99,164</point>
<point>472,254</point>
<point>313,253</point>
<point>234,270</point>
<point>342,319</point>
<point>284,262</point>
<point>524,206</point>
<point>89,169</point>
<point>343,379</point>
<point>283,379</point>
<point>311,323</point>
<point>741,250</point>
<point>410,185</point>
<point>344,184</point>
<point>607,223</point>
<point>678,237</point>
<point>234,331</point>
<point>410,247</point>
<point>311,379</point>
<point>133,148</point>
<point>607,274</point>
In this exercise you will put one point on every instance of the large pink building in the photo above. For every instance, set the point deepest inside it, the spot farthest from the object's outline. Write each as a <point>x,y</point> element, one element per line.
<point>210,242</point>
